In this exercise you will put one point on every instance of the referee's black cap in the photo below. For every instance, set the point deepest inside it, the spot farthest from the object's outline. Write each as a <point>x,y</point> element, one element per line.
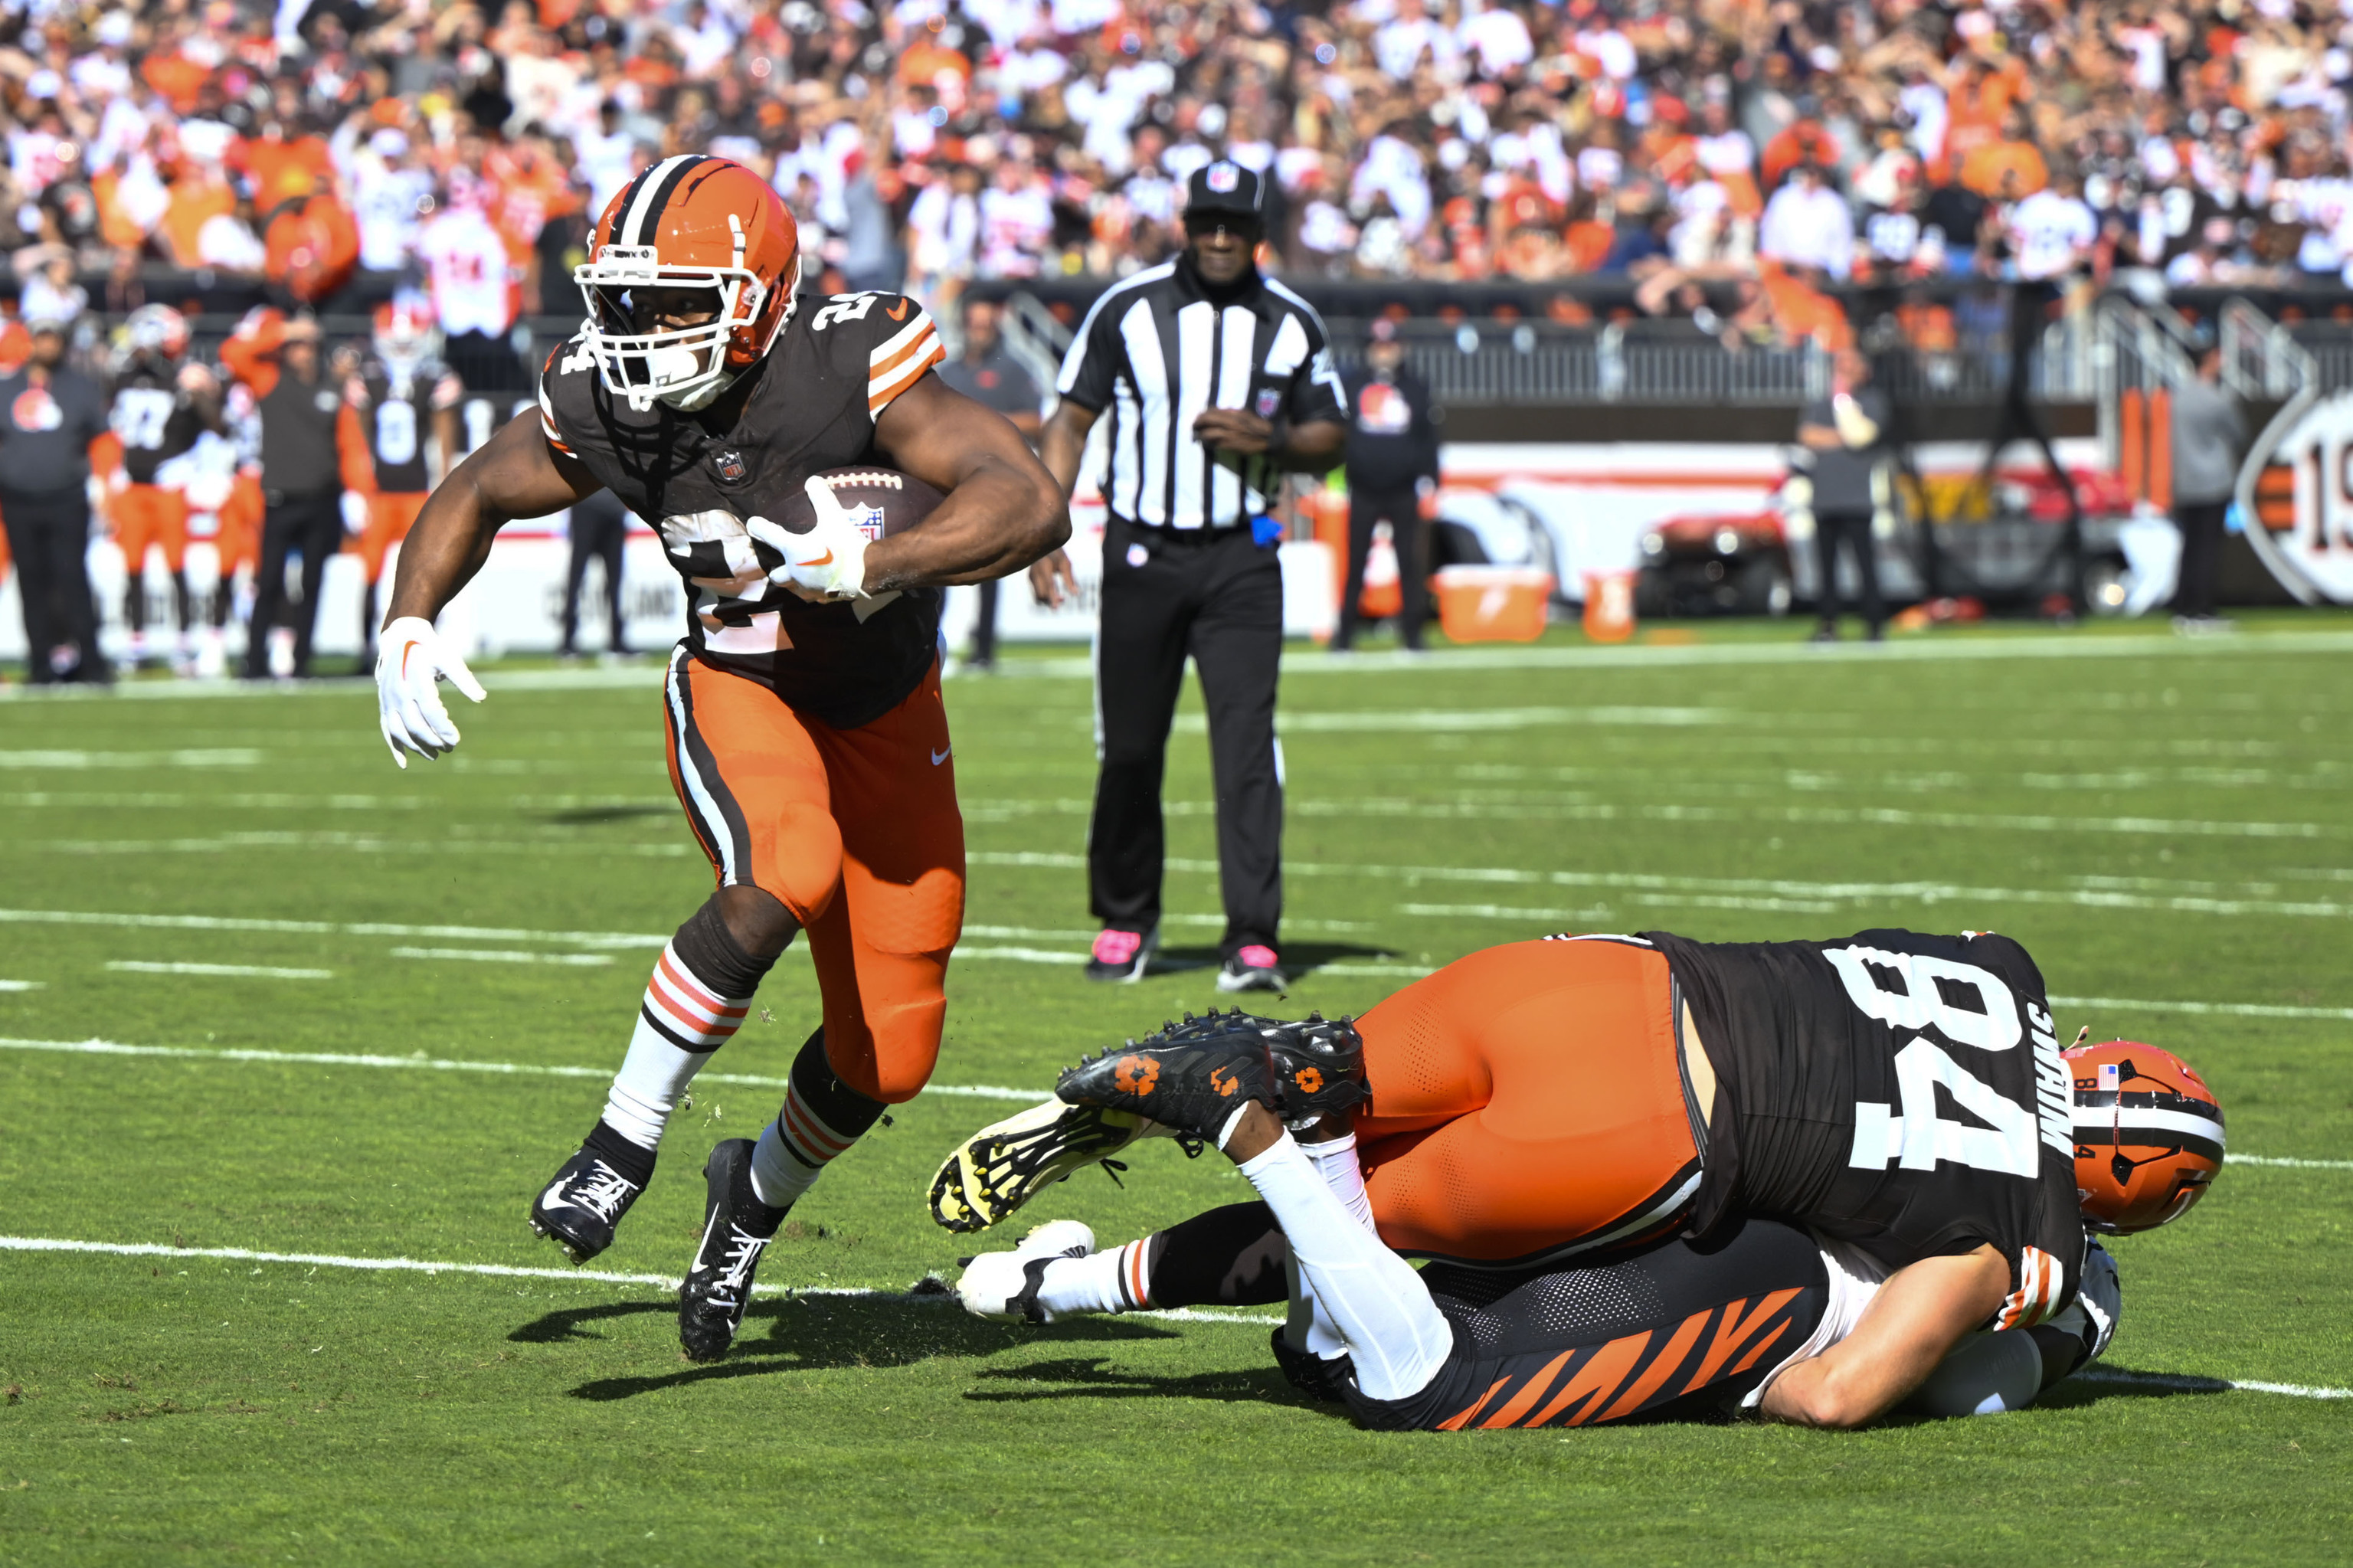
<point>1224,186</point>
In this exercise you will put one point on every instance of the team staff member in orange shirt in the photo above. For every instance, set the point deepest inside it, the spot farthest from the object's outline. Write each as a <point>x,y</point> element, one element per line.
<point>50,414</point>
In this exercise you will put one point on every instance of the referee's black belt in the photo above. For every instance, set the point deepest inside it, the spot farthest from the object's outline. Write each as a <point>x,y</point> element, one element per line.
<point>1158,533</point>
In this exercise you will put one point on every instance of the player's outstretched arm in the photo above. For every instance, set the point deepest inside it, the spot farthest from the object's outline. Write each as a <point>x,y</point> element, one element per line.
<point>1003,509</point>
<point>1912,1324</point>
<point>515,474</point>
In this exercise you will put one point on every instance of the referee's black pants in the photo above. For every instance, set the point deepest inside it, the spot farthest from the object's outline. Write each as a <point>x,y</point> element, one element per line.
<point>1217,596</point>
<point>49,537</point>
<point>313,527</point>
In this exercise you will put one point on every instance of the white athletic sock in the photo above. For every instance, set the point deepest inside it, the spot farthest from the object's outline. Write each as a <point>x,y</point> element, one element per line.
<point>1393,1331</point>
<point>1310,1326</point>
<point>1335,1161</point>
<point>1108,1281</point>
<point>680,1022</point>
<point>794,1150</point>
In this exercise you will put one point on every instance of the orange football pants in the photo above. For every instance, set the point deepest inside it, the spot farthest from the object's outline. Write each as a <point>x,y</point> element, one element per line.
<point>856,831</point>
<point>390,517</point>
<point>148,515</point>
<point>238,542</point>
<point>1528,1102</point>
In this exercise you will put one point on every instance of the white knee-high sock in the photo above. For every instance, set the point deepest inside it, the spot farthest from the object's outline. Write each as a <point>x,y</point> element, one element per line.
<point>1394,1333</point>
<point>680,1022</point>
<point>1310,1326</point>
<point>821,1119</point>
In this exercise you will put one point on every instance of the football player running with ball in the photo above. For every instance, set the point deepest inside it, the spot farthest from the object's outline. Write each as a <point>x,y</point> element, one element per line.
<point>805,734</point>
<point>1535,1112</point>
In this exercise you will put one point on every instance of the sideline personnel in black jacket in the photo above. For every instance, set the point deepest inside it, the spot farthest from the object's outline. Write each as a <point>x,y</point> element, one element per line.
<point>49,413</point>
<point>1392,461</point>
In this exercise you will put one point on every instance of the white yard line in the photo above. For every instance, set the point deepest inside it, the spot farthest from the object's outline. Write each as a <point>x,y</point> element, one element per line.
<point>199,757</point>
<point>2220,1009</point>
<point>2193,1384</point>
<point>421,1062</point>
<point>1809,896</point>
<point>1448,721</point>
<point>516,1271</point>
<point>242,971</point>
<point>148,799</point>
<point>22,985</point>
<point>1921,650</point>
<point>362,843</point>
<point>504,956</point>
<point>1303,660</point>
<point>1570,809</point>
<point>2290,1164</point>
<point>328,927</point>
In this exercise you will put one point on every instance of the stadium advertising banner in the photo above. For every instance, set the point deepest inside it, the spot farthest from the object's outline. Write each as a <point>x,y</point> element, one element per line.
<point>2310,548</point>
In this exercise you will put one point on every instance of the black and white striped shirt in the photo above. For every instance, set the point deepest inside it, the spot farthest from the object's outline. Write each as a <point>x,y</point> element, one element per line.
<point>1157,351</point>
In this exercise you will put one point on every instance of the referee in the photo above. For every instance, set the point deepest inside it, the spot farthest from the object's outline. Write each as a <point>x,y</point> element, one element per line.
<point>1218,381</point>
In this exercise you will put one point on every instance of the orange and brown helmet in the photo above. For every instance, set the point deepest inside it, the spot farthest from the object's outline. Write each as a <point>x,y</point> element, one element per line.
<point>688,223</point>
<point>2148,1135</point>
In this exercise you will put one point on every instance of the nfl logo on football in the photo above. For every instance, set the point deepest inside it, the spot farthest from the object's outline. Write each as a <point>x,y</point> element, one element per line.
<point>869,522</point>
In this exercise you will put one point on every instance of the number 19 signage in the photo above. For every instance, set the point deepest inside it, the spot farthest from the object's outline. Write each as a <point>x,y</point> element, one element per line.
<point>2310,548</point>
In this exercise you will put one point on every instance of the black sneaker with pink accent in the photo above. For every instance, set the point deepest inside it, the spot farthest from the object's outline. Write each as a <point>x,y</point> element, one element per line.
<point>1253,967</point>
<point>1120,956</point>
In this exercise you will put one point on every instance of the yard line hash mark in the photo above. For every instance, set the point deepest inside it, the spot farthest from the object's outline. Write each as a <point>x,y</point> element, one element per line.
<point>242,971</point>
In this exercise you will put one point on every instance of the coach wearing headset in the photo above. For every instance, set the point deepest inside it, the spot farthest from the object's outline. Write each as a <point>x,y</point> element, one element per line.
<point>1218,382</point>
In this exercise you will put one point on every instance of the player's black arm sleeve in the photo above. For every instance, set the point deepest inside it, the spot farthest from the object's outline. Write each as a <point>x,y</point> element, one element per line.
<point>1003,509</point>
<point>514,474</point>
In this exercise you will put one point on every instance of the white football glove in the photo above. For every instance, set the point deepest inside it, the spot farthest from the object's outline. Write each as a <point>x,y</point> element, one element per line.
<point>2098,1307</point>
<point>410,658</point>
<point>829,562</point>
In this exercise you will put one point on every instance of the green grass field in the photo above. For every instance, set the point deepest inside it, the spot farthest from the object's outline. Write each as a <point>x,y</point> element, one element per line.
<point>2164,825</point>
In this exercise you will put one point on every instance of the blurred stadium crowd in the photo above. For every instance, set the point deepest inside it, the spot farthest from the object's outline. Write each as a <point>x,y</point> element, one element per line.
<point>934,143</point>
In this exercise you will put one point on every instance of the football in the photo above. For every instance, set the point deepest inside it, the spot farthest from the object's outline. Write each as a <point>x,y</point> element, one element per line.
<point>884,502</point>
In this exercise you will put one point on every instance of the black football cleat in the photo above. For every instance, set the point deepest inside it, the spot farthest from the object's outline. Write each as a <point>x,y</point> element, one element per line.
<point>584,1205</point>
<point>1317,1067</point>
<point>737,1228</point>
<point>1189,1076</point>
<point>1317,1377</point>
